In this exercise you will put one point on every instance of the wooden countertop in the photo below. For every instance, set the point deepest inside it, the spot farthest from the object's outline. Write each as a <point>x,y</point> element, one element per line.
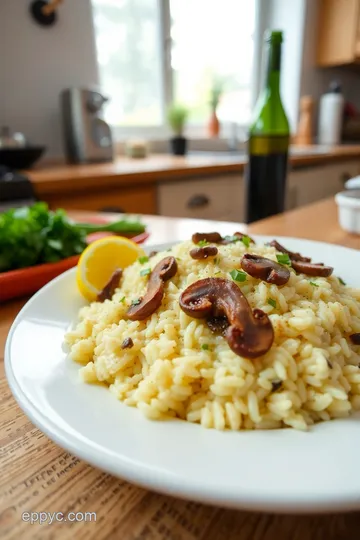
<point>124,171</point>
<point>38,476</point>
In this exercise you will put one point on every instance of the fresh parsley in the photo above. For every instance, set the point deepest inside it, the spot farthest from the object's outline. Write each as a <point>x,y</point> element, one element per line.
<point>246,241</point>
<point>283,258</point>
<point>341,281</point>
<point>314,284</point>
<point>272,303</point>
<point>205,347</point>
<point>238,275</point>
<point>145,272</point>
<point>203,243</point>
<point>143,260</point>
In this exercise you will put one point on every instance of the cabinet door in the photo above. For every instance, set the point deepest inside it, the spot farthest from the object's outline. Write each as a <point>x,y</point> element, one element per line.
<point>218,198</point>
<point>141,200</point>
<point>337,174</point>
<point>338,32</point>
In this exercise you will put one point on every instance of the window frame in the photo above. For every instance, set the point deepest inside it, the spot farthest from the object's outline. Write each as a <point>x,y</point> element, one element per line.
<point>161,132</point>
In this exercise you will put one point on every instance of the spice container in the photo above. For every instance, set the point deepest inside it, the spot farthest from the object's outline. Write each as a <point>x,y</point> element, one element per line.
<point>349,210</point>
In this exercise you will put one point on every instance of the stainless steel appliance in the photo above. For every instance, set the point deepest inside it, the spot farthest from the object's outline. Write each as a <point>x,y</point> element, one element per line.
<point>87,137</point>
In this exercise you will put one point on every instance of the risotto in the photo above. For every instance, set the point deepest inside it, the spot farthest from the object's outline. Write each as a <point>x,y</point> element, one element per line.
<point>171,364</point>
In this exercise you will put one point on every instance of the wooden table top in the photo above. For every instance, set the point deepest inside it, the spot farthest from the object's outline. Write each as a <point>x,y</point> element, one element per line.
<point>38,476</point>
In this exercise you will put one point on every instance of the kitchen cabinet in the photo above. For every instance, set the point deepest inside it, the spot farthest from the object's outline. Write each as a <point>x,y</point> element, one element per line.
<point>338,32</point>
<point>218,198</point>
<point>135,200</point>
<point>311,184</point>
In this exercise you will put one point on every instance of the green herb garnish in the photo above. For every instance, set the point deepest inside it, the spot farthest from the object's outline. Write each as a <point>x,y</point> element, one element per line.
<point>122,300</point>
<point>143,260</point>
<point>283,258</point>
<point>136,302</point>
<point>341,281</point>
<point>272,302</point>
<point>205,347</point>
<point>313,283</point>
<point>217,273</point>
<point>232,239</point>
<point>238,275</point>
<point>145,272</point>
<point>35,235</point>
<point>246,241</point>
<point>203,243</point>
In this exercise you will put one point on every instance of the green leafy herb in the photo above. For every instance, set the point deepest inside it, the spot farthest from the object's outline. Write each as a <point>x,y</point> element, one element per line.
<point>35,235</point>
<point>122,300</point>
<point>203,243</point>
<point>313,283</point>
<point>217,273</point>
<point>205,347</point>
<point>143,260</point>
<point>145,272</point>
<point>283,258</point>
<point>238,275</point>
<point>341,281</point>
<point>232,239</point>
<point>246,241</point>
<point>136,302</point>
<point>272,302</point>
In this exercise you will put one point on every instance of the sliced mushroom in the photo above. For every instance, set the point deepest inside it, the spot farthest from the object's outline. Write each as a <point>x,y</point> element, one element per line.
<point>203,252</point>
<point>250,333</point>
<point>127,343</point>
<point>163,271</point>
<point>293,256</point>
<point>216,238</point>
<point>213,237</point>
<point>153,253</point>
<point>110,287</point>
<point>311,269</point>
<point>241,235</point>
<point>355,338</point>
<point>265,269</point>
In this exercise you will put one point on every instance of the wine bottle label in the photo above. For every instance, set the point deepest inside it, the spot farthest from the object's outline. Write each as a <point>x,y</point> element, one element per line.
<point>264,146</point>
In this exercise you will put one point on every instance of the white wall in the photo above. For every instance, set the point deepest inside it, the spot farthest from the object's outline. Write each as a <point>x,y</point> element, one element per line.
<point>36,63</point>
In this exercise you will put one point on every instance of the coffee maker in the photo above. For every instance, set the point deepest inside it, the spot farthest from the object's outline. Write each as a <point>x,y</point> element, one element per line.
<point>87,137</point>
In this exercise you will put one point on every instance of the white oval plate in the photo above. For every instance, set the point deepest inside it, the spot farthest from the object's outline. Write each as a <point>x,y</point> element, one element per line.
<point>283,470</point>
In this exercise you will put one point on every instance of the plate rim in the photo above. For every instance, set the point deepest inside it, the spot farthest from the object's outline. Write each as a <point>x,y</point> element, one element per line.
<point>158,482</point>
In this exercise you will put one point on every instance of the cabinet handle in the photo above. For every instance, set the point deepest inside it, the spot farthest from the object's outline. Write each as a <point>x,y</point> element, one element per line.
<point>345,177</point>
<point>113,209</point>
<point>198,201</point>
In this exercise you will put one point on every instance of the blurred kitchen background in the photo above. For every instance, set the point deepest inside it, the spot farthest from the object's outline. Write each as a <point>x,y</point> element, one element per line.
<point>144,56</point>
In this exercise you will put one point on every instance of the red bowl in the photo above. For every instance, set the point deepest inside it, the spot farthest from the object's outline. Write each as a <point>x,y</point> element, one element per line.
<point>26,281</point>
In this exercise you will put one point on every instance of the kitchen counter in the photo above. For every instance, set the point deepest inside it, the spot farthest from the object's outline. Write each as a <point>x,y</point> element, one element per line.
<point>60,179</point>
<point>37,475</point>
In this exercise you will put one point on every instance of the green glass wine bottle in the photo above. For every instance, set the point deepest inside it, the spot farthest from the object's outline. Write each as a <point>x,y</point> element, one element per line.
<point>268,142</point>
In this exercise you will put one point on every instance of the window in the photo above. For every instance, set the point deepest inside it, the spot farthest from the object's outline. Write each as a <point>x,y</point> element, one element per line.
<point>151,52</point>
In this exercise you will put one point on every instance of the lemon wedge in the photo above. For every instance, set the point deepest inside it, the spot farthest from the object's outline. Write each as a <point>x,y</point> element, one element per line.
<point>100,260</point>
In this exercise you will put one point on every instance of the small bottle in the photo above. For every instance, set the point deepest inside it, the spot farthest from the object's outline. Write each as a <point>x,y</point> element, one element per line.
<point>331,115</point>
<point>268,142</point>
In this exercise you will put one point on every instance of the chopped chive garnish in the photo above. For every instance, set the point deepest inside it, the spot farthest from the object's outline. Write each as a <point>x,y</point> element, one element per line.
<point>136,302</point>
<point>143,260</point>
<point>283,258</point>
<point>232,239</point>
<point>238,275</point>
<point>217,273</point>
<point>313,283</point>
<point>205,347</point>
<point>203,243</point>
<point>341,281</point>
<point>122,300</point>
<point>145,272</point>
<point>272,302</point>
<point>246,241</point>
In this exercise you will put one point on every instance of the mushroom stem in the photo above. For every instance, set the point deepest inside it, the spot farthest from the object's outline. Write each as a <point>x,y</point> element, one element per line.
<point>250,333</point>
